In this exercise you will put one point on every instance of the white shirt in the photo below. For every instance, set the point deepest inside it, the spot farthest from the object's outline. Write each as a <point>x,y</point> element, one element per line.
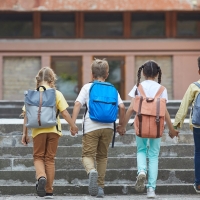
<point>90,125</point>
<point>150,89</point>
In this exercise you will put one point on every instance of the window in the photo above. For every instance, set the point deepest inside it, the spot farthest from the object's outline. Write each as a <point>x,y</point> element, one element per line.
<point>188,24</point>
<point>103,25</point>
<point>68,70</point>
<point>14,25</point>
<point>58,25</point>
<point>148,25</point>
<point>116,73</point>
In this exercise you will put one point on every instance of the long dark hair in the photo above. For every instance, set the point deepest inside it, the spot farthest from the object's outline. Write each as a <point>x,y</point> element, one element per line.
<point>150,69</point>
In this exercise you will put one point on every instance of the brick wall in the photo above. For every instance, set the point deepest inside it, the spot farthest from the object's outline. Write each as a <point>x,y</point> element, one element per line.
<point>165,62</point>
<point>18,75</point>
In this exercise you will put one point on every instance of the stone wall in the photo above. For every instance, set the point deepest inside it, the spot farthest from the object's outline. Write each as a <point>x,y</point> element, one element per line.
<point>18,75</point>
<point>165,62</point>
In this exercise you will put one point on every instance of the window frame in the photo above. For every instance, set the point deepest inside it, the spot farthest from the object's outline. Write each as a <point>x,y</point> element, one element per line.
<point>50,37</point>
<point>149,37</point>
<point>103,37</point>
<point>23,13</point>
<point>187,37</point>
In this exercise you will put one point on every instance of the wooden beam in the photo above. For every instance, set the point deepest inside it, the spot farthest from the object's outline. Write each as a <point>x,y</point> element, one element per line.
<point>36,25</point>
<point>174,24</point>
<point>127,24</point>
<point>168,24</point>
<point>79,24</point>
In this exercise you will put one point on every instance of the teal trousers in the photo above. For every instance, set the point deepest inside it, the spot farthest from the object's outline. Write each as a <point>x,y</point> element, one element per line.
<point>148,148</point>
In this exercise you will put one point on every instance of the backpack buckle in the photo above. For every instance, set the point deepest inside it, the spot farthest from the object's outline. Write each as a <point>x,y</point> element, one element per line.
<point>157,120</point>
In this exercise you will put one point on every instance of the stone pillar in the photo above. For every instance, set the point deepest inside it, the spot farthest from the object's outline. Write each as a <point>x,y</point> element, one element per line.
<point>46,61</point>
<point>1,77</point>
<point>129,74</point>
<point>185,72</point>
<point>86,70</point>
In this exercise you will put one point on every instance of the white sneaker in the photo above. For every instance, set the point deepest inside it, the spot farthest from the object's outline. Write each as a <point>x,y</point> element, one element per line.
<point>93,186</point>
<point>100,193</point>
<point>48,197</point>
<point>140,182</point>
<point>151,193</point>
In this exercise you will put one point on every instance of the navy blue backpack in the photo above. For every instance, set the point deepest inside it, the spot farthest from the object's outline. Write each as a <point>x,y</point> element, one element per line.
<point>196,109</point>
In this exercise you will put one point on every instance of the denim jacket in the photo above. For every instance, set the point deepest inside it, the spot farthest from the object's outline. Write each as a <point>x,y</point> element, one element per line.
<point>187,100</point>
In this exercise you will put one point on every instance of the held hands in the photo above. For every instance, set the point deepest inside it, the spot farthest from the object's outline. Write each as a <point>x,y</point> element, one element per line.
<point>25,139</point>
<point>121,130</point>
<point>173,133</point>
<point>74,130</point>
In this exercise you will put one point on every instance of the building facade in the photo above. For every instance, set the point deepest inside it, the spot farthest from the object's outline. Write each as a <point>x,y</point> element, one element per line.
<point>68,34</point>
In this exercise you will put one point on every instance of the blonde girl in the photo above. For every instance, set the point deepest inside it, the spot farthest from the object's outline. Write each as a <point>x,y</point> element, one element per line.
<point>45,140</point>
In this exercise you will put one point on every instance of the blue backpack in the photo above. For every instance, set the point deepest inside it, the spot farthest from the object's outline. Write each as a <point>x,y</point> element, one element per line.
<point>196,109</point>
<point>103,102</point>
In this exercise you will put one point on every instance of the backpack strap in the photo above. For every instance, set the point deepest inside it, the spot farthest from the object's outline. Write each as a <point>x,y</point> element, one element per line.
<point>158,117</point>
<point>142,93</point>
<point>113,140</point>
<point>40,103</point>
<point>159,92</point>
<point>197,84</point>
<point>140,89</point>
<point>57,113</point>
<point>140,116</point>
<point>39,109</point>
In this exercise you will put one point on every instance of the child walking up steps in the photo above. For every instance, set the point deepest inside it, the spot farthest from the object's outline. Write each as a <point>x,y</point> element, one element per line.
<point>151,92</point>
<point>40,110</point>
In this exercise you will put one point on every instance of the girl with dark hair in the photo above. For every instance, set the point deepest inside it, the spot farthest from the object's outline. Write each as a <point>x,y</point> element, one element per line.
<point>151,71</point>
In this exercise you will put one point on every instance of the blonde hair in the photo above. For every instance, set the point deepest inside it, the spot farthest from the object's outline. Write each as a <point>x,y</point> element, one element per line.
<point>46,74</point>
<point>100,68</point>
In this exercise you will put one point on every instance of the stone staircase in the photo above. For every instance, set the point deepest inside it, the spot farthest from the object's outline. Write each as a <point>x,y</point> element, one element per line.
<point>17,176</point>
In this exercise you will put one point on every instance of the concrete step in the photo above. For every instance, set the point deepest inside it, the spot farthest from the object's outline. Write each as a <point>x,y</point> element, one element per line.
<point>19,188</point>
<point>12,109</point>
<point>124,162</point>
<point>11,131</point>
<point>14,140</point>
<point>174,150</point>
<point>67,140</point>
<point>113,176</point>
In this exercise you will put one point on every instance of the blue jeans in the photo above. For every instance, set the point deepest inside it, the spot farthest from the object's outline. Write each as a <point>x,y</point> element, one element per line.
<point>152,153</point>
<point>196,135</point>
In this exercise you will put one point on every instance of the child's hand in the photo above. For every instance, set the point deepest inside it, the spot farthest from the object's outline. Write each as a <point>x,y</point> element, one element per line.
<point>25,139</point>
<point>74,130</point>
<point>173,133</point>
<point>121,130</point>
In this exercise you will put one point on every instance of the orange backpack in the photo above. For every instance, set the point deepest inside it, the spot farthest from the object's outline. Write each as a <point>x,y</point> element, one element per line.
<point>150,114</point>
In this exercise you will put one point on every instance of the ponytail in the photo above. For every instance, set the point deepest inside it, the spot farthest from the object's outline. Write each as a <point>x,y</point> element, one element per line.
<point>139,75</point>
<point>159,74</point>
